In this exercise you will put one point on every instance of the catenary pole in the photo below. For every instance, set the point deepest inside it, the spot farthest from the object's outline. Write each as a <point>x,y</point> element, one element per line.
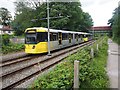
<point>48,22</point>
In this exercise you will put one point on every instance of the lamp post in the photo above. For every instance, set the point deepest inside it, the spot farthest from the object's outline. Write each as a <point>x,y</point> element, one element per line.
<point>48,28</point>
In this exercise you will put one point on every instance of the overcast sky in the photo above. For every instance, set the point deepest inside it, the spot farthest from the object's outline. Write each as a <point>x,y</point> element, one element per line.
<point>100,10</point>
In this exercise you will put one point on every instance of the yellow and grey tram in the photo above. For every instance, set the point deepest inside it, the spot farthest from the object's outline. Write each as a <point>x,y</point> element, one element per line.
<point>36,39</point>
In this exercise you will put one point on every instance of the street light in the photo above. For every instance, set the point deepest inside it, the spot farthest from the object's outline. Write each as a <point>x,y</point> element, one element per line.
<point>48,28</point>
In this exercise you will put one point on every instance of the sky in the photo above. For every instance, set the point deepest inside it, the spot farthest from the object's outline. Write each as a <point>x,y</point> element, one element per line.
<point>9,5</point>
<point>100,10</point>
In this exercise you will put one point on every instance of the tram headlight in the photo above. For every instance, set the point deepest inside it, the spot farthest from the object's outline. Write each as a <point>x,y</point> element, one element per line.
<point>33,47</point>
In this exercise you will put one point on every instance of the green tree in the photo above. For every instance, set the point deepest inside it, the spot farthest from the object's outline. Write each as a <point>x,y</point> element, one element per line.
<point>70,16</point>
<point>63,15</point>
<point>115,24</point>
<point>5,17</point>
<point>87,22</point>
<point>22,19</point>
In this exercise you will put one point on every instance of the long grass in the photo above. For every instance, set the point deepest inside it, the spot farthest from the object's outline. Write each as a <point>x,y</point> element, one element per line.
<point>92,71</point>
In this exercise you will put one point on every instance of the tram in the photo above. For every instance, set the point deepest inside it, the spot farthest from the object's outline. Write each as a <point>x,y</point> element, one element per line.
<point>36,39</point>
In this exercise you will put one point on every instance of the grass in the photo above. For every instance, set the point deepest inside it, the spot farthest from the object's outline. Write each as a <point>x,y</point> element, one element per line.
<point>98,67</point>
<point>92,71</point>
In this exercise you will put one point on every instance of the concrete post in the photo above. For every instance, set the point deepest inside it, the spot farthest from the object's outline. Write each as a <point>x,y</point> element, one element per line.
<point>76,74</point>
<point>97,47</point>
<point>92,53</point>
<point>101,44</point>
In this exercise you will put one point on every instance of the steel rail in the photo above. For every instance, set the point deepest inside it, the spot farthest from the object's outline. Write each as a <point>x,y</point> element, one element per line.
<point>47,67</point>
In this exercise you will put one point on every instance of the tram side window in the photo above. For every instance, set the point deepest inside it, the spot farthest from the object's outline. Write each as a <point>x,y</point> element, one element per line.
<point>64,36</point>
<point>79,36</point>
<point>76,36</point>
<point>71,36</point>
<point>53,36</point>
<point>42,37</point>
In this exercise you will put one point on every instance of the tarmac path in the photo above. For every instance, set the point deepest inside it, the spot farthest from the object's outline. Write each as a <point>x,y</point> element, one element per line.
<point>113,63</point>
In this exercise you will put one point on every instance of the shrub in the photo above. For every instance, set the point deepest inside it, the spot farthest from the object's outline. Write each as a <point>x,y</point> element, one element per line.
<point>5,39</point>
<point>92,72</point>
<point>12,48</point>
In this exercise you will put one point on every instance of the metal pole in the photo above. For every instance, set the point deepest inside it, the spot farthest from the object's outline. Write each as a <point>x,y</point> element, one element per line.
<point>48,28</point>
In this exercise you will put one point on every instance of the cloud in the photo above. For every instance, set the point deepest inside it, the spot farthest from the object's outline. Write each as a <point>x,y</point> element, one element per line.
<point>100,10</point>
<point>9,5</point>
<point>87,3</point>
<point>102,2</point>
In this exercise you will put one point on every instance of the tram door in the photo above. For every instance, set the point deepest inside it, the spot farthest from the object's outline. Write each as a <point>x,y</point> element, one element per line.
<point>60,38</point>
<point>70,37</point>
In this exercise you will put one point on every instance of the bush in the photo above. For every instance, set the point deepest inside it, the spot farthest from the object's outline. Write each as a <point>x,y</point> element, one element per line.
<point>5,39</point>
<point>92,72</point>
<point>12,48</point>
<point>7,46</point>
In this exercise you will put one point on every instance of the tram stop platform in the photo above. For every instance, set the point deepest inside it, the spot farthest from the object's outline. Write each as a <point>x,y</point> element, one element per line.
<point>113,70</point>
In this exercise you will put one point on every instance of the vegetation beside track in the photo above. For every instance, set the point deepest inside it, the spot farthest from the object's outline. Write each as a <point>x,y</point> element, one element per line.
<point>8,47</point>
<point>92,71</point>
<point>12,48</point>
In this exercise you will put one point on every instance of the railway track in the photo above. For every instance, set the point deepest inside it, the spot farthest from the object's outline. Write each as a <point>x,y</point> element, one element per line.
<point>14,61</point>
<point>12,77</point>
